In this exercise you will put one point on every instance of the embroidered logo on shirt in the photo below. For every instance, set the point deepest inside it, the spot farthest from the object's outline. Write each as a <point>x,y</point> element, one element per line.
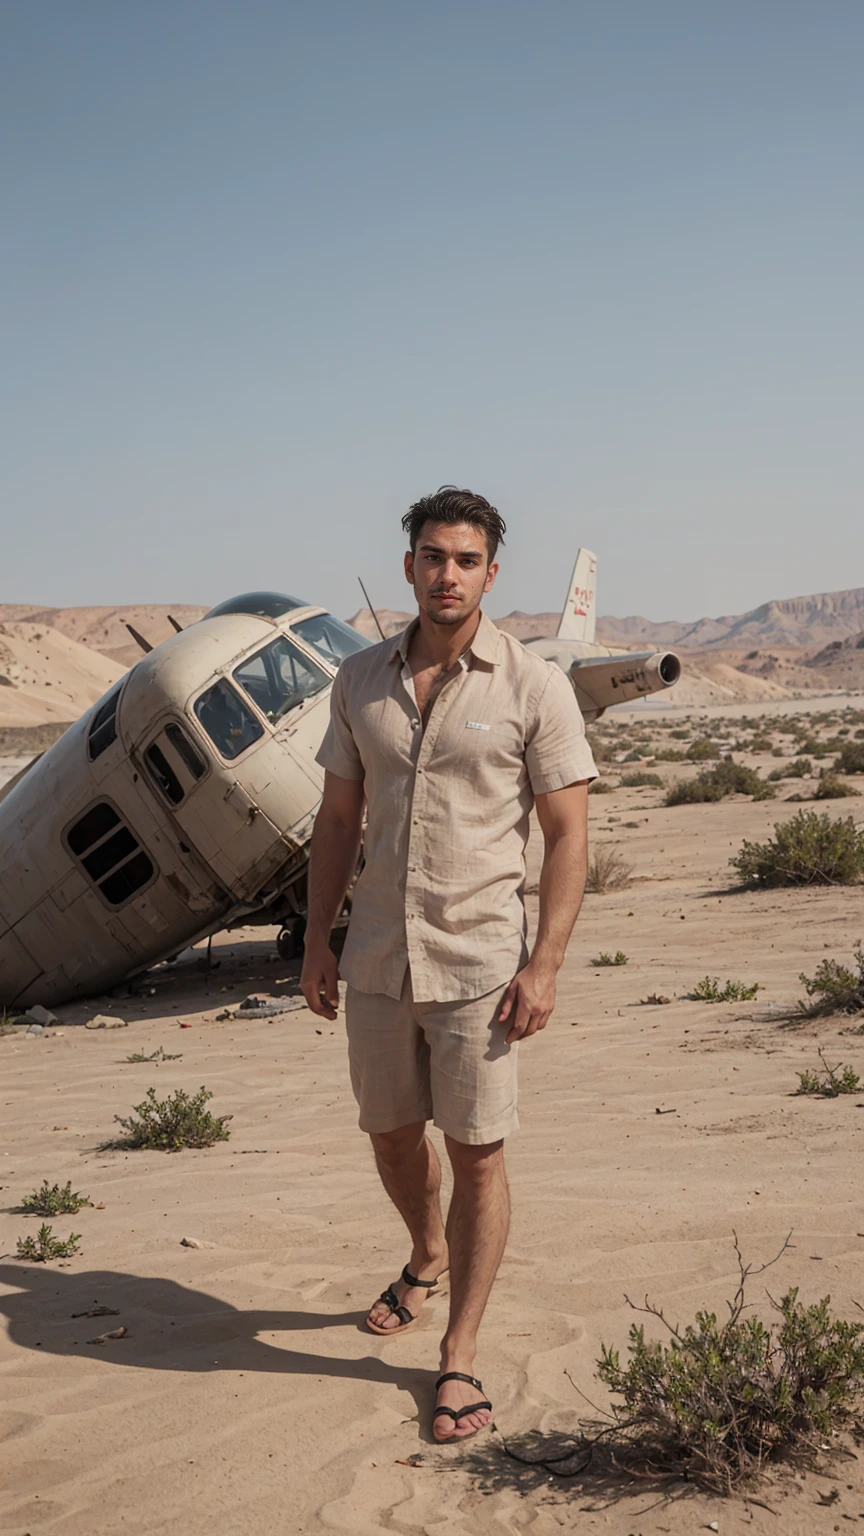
<point>476,725</point>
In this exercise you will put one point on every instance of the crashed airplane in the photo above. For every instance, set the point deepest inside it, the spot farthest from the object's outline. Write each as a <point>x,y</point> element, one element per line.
<point>183,802</point>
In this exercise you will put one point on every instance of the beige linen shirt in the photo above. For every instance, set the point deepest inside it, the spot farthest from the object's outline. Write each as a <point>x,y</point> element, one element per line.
<point>443,883</point>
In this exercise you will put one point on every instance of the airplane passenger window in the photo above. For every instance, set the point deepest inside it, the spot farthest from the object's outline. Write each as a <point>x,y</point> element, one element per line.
<point>103,727</point>
<point>110,854</point>
<point>229,724</point>
<point>185,751</point>
<point>279,678</point>
<point>330,637</point>
<point>164,774</point>
<point>97,823</point>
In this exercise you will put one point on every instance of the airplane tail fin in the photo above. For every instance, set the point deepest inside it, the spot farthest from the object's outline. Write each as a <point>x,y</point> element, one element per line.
<point>579,619</point>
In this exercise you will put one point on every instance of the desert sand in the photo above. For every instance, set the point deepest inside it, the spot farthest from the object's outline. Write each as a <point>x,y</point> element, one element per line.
<point>247,1398</point>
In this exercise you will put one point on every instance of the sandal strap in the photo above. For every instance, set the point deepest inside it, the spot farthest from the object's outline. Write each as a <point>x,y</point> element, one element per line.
<point>460,1413</point>
<point>412,1279</point>
<point>397,1308</point>
<point>458,1376</point>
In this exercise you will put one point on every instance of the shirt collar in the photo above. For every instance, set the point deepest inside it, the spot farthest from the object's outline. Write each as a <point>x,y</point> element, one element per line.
<point>486,645</point>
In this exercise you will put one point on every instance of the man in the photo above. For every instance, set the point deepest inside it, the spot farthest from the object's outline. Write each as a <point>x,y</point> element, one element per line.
<point>450,733</point>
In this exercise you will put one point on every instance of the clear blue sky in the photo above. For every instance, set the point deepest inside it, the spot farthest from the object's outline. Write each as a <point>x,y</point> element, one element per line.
<point>272,270</point>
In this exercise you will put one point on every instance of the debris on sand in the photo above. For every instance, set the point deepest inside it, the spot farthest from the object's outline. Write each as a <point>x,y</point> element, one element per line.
<point>98,1312</point>
<point>116,1333</point>
<point>105,1021</point>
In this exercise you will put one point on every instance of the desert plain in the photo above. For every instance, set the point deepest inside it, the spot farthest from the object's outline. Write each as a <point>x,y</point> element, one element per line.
<point>246,1396</point>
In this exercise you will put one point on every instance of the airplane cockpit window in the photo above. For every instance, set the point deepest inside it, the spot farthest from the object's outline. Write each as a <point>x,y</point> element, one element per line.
<point>262,605</point>
<point>330,637</point>
<point>110,854</point>
<point>231,726</point>
<point>279,678</point>
<point>103,726</point>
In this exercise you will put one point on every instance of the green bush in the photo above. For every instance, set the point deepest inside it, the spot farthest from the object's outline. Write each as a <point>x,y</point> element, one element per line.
<point>802,768</point>
<point>831,788</point>
<point>835,988</point>
<point>641,781</point>
<point>681,734</point>
<point>669,755</point>
<point>830,1082</point>
<point>51,1200</point>
<point>600,787</point>
<point>722,1399</point>
<point>712,784</point>
<point>45,1246</point>
<point>166,1125</point>
<point>702,750</point>
<point>851,759</point>
<point>808,850</point>
<point>619,958</point>
<point>709,991</point>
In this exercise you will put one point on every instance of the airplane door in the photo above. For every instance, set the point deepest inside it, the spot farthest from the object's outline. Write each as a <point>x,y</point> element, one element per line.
<point>213,810</point>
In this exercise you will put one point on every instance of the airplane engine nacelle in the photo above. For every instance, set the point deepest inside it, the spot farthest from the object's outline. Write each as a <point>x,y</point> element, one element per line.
<point>600,682</point>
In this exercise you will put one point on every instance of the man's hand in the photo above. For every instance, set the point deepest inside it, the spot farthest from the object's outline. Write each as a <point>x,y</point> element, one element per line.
<point>528,1001</point>
<point>319,980</point>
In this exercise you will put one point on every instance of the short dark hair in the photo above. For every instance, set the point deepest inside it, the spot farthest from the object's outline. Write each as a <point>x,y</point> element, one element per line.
<point>450,505</point>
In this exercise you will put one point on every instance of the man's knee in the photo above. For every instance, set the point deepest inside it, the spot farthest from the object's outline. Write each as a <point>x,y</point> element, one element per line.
<point>475,1163</point>
<point>394,1146</point>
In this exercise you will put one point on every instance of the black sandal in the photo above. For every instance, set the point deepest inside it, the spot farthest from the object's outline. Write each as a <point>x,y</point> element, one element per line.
<point>397,1308</point>
<point>460,1413</point>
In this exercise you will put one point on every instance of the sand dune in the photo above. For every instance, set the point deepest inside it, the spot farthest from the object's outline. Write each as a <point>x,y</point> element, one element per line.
<point>247,1398</point>
<point>45,676</point>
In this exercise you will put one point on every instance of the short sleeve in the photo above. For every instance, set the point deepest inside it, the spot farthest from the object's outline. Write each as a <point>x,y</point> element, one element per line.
<point>556,750</point>
<point>338,751</point>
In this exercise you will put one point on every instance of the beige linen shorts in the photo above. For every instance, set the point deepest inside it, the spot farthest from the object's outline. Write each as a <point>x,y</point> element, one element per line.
<point>445,1062</point>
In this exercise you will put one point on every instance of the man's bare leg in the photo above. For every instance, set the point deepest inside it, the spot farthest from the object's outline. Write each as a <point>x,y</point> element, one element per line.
<point>411,1174</point>
<point>477,1226</point>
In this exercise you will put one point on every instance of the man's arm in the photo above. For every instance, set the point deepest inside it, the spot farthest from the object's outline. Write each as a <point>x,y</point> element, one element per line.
<point>563,817</point>
<point>332,861</point>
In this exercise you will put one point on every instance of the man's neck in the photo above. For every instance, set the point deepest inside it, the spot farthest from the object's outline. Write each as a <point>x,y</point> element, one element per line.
<point>442,644</point>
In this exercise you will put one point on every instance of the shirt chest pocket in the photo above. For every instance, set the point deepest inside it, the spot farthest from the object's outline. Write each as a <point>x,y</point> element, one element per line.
<point>471,744</point>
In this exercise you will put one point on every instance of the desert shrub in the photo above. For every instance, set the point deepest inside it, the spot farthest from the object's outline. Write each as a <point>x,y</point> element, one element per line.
<point>702,750</point>
<point>851,759</point>
<point>600,787</point>
<point>722,1398</point>
<point>800,769</point>
<point>159,1055</point>
<point>712,784</point>
<point>830,1082</point>
<point>835,988</point>
<point>808,850</point>
<point>166,1125</point>
<point>51,1200</point>
<point>619,958</point>
<point>607,871</point>
<point>45,1246</point>
<point>681,734</point>
<point>641,781</point>
<point>776,774</point>
<point>709,991</point>
<point>761,743</point>
<point>601,750</point>
<point>669,755</point>
<point>635,757</point>
<point>831,788</point>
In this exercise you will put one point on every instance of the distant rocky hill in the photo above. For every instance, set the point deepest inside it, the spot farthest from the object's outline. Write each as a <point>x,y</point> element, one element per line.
<point>104,629</point>
<point>800,622</point>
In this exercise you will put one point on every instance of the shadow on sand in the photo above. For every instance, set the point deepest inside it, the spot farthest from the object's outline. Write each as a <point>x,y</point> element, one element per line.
<point>174,1328</point>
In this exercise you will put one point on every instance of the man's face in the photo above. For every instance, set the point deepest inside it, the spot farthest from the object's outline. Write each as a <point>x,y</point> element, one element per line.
<point>450,571</point>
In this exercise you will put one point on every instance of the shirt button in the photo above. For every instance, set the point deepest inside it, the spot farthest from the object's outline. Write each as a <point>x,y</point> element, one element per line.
<point>414,724</point>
